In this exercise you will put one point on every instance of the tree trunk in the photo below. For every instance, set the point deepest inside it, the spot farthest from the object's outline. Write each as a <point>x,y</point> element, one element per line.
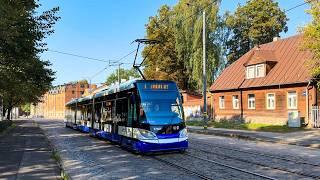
<point>9,113</point>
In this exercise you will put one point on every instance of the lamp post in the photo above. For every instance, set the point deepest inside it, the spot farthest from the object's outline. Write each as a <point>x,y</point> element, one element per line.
<point>204,63</point>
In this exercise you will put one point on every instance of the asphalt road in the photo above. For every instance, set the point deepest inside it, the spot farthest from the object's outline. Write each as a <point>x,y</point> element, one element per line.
<point>209,157</point>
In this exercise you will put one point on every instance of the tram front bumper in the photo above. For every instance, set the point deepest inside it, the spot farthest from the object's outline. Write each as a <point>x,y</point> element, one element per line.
<point>161,145</point>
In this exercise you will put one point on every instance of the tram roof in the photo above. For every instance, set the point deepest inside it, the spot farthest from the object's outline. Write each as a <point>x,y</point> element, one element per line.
<point>117,88</point>
<point>111,90</point>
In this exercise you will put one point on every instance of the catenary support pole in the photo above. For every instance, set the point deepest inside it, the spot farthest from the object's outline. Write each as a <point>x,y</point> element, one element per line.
<point>204,71</point>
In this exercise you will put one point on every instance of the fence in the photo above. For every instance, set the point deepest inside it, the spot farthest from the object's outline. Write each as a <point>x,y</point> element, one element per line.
<point>315,115</point>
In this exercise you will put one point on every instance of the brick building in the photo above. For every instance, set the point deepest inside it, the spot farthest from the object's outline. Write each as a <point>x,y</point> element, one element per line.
<point>53,102</point>
<point>193,105</point>
<point>267,85</point>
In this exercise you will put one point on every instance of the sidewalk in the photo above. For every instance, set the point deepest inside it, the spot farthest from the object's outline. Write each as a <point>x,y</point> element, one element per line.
<point>25,153</point>
<point>309,138</point>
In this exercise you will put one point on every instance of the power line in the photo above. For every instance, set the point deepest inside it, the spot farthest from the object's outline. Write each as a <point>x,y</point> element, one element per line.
<point>79,56</point>
<point>298,5</point>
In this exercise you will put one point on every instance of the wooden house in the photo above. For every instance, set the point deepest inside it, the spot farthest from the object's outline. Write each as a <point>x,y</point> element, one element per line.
<point>266,84</point>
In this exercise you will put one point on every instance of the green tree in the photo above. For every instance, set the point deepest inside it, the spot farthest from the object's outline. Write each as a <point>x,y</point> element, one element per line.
<point>26,108</point>
<point>161,59</point>
<point>311,39</point>
<point>24,77</point>
<point>124,74</point>
<point>179,55</point>
<point>188,34</point>
<point>257,22</point>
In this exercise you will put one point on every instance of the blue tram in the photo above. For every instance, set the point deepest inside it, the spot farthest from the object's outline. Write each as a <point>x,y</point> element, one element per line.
<point>143,115</point>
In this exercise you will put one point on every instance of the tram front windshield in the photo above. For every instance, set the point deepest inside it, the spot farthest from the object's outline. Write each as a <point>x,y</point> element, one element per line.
<point>161,111</point>
<point>160,107</point>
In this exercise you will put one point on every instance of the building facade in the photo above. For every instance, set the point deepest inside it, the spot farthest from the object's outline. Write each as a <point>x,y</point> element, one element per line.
<point>53,102</point>
<point>267,85</point>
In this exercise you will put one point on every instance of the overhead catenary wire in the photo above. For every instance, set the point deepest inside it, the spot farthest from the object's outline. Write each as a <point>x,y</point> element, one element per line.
<point>79,56</point>
<point>298,5</point>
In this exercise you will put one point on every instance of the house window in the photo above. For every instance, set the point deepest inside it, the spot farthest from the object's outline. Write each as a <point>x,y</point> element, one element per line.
<point>251,101</point>
<point>72,92</point>
<point>250,72</point>
<point>260,70</point>
<point>221,102</point>
<point>271,101</point>
<point>292,100</point>
<point>235,101</point>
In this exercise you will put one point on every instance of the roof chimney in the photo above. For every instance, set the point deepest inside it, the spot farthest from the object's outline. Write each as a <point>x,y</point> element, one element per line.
<point>276,38</point>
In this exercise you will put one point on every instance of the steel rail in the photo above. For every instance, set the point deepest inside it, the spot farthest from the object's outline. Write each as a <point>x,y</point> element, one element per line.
<point>232,167</point>
<point>262,154</point>
<point>261,164</point>
<point>183,168</point>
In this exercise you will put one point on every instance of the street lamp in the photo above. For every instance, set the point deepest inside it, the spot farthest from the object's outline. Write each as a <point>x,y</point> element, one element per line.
<point>204,73</point>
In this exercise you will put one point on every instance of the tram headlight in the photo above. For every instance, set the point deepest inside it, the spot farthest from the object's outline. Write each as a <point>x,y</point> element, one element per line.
<point>144,134</point>
<point>183,133</point>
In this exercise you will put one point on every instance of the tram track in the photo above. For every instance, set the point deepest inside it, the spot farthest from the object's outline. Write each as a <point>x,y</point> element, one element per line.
<point>259,164</point>
<point>232,167</point>
<point>202,176</point>
<point>262,154</point>
<point>183,169</point>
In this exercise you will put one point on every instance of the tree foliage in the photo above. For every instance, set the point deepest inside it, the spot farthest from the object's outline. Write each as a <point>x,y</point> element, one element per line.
<point>255,23</point>
<point>124,74</point>
<point>179,55</point>
<point>311,39</point>
<point>24,77</point>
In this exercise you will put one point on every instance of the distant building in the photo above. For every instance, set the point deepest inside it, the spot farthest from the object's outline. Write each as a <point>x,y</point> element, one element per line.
<point>53,102</point>
<point>193,105</point>
<point>266,85</point>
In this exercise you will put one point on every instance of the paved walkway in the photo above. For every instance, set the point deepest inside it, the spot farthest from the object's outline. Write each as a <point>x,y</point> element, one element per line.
<point>309,138</point>
<point>25,153</point>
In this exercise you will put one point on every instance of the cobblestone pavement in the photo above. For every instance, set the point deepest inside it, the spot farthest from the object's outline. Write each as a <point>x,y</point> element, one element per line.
<point>212,156</point>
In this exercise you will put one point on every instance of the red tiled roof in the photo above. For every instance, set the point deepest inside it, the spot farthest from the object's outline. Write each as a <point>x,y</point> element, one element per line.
<point>259,56</point>
<point>290,67</point>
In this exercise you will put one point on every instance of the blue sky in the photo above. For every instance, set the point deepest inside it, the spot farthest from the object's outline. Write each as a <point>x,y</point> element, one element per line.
<point>105,29</point>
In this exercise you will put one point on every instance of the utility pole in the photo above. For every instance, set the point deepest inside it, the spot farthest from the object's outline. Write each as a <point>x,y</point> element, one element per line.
<point>204,71</point>
<point>119,80</point>
<point>119,68</point>
<point>204,64</point>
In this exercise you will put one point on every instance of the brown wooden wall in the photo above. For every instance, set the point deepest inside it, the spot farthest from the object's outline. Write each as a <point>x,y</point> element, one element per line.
<point>261,114</point>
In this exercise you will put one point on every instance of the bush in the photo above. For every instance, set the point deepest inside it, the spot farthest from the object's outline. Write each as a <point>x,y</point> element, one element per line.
<point>4,125</point>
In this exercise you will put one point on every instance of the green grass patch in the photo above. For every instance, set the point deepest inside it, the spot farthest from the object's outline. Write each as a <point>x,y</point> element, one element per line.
<point>246,126</point>
<point>55,155</point>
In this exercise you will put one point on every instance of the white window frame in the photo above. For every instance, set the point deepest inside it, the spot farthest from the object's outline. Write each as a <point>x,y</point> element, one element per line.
<point>222,102</point>
<point>274,101</point>
<point>250,76</point>
<point>235,100</point>
<point>262,69</point>
<point>250,99</point>
<point>290,96</point>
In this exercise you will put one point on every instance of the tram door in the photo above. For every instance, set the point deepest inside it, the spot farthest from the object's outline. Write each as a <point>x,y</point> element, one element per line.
<point>132,114</point>
<point>132,111</point>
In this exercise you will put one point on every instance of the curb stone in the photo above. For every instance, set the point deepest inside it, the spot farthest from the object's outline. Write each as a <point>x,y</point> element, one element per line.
<point>251,138</point>
<point>63,173</point>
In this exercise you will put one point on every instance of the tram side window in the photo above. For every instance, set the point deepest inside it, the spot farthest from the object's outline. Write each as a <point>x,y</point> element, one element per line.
<point>107,111</point>
<point>122,111</point>
<point>98,112</point>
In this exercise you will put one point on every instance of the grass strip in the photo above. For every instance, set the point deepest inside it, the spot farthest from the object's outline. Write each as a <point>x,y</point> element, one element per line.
<point>247,126</point>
